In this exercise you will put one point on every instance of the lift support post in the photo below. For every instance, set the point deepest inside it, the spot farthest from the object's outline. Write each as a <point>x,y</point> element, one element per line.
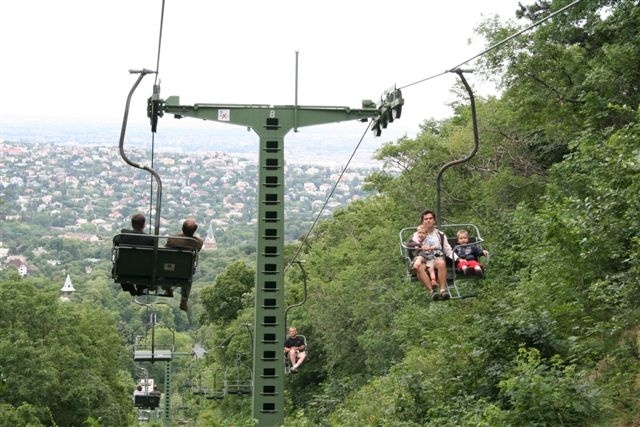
<point>272,123</point>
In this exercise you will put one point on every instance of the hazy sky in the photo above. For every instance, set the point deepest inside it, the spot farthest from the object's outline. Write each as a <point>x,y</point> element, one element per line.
<point>69,59</point>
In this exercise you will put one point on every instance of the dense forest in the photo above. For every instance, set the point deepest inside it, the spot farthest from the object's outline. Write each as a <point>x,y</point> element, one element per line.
<point>552,338</point>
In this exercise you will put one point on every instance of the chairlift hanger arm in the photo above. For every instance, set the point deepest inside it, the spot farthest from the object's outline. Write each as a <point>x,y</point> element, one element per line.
<point>125,119</point>
<point>473,151</point>
<point>130,162</point>
<point>304,295</point>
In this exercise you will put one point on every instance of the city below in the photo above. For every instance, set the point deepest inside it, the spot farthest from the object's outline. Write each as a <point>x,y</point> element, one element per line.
<point>71,181</point>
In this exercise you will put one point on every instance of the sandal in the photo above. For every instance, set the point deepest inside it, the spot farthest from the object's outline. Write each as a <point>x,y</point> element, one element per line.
<point>444,294</point>
<point>435,296</point>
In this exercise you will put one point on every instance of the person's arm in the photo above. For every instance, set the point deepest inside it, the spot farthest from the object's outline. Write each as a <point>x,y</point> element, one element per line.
<point>457,250</point>
<point>479,252</point>
<point>446,248</point>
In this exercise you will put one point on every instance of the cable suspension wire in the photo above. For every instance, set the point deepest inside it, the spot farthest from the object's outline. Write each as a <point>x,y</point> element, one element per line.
<point>315,221</point>
<point>497,45</point>
<point>159,43</point>
<point>452,69</point>
<point>155,84</point>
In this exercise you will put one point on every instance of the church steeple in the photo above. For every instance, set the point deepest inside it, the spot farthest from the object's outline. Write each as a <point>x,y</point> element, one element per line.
<point>67,290</point>
<point>210,243</point>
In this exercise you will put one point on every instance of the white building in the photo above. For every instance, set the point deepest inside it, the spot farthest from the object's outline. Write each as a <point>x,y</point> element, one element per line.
<point>67,290</point>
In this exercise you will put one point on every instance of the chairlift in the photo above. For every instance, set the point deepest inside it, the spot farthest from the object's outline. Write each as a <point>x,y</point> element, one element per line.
<point>151,268</point>
<point>147,349</point>
<point>238,379</point>
<point>287,362</point>
<point>145,396</point>
<point>453,275</point>
<point>140,263</point>
<point>214,392</point>
<point>456,279</point>
<point>217,390</point>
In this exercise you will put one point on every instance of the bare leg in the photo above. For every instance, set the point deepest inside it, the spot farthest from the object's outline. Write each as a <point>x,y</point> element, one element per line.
<point>441,268</point>
<point>300,357</point>
<point>422,276</point>
<point>417,261</point>
<point>432,275</point>
<point>292,357</point>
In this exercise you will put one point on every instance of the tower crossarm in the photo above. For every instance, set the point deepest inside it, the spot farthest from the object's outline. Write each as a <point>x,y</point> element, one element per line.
<point>270,117</point>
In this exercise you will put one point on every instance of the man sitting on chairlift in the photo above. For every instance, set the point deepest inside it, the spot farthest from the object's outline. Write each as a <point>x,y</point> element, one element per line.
<point>136,236</point>
<point>137,225</point>
<point>186,240</point>
<point>435,241</point>
<point>294,349</point>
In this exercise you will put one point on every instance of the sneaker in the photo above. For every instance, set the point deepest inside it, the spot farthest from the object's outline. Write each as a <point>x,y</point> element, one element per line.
<point>184,306</point>
<point>435,296</point>
<point>445,295</point>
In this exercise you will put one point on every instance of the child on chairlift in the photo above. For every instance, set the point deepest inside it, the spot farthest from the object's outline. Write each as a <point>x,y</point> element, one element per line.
<point>468,254</point>
<point>418,240</point>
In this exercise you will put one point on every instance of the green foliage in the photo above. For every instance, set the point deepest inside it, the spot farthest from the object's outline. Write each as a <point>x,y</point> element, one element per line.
<point>61,357</point>
<point>554,77</point>
<point>552,339</point>
<point>230,293</point>
<point>23,415</point>
<point>547,393</point>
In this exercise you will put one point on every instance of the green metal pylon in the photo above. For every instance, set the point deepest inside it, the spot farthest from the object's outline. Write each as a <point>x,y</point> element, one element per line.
<point>272,123</point>
<point>167,393</point>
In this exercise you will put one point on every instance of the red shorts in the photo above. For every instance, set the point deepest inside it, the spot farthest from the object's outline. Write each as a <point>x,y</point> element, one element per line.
<point>466,263</point>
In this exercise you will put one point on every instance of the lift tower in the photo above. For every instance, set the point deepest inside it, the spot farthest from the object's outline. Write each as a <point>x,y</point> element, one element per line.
<point>272,123</point>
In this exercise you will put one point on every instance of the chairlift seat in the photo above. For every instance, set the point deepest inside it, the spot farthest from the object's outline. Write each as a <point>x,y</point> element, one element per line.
<point>450,230</point>
<point>474,239</point>
<point>134,264</point>
<point>215,394</point>
<point>150,401</point>
<point>406,253</point>
<point>163,355</point>
<point>238,387</point>
<point>238,380</point>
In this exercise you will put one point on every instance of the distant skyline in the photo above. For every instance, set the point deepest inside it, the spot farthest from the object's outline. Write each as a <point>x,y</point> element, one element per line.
<point>328,147</point>
<point>69,60</point>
